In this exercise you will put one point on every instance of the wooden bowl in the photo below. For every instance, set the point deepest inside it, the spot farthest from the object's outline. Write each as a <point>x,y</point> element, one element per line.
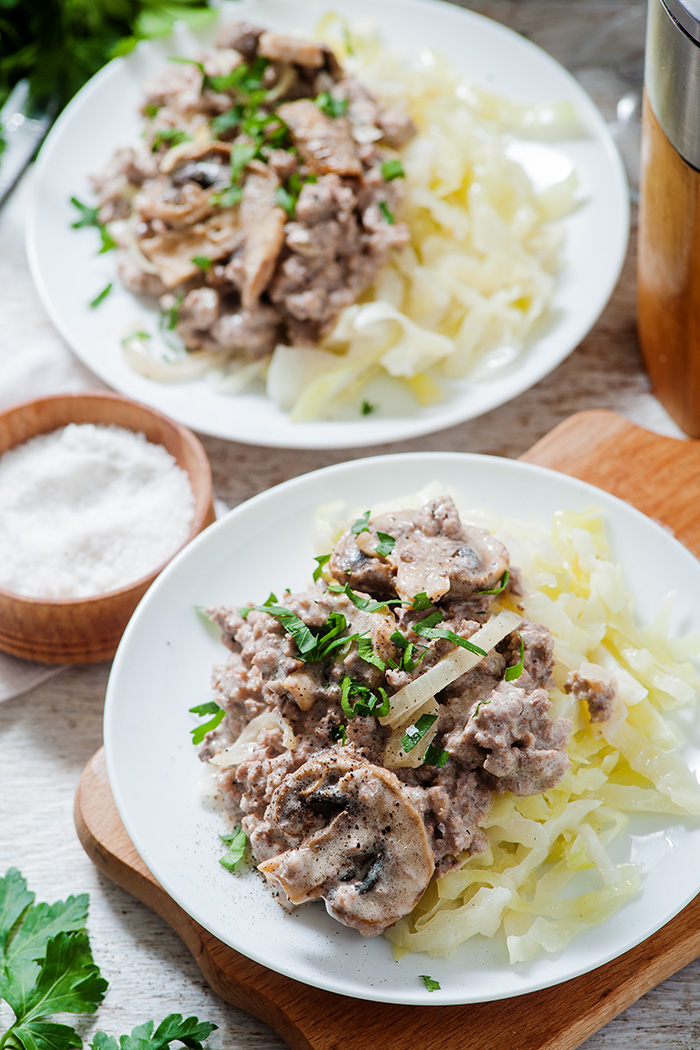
<point>85,630</point>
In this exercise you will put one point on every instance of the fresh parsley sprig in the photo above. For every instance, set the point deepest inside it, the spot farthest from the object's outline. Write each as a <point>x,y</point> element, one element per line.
<point>209,708</point>
<point>46,966</point>
<point>90,217</point>
<point>189,1031</point>
<point>357,699</point>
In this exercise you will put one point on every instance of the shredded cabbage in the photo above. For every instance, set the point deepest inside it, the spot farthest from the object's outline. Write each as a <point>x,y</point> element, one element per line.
<point>464,296</point>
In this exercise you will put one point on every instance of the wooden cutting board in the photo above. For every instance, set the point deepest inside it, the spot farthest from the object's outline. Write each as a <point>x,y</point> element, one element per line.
<point>660,476</point>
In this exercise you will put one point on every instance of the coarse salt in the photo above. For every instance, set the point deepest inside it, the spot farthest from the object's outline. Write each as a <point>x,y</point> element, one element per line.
<point>88,509</point>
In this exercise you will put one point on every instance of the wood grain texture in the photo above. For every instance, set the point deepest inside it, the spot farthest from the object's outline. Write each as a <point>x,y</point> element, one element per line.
<point>603,449</point>
<point>668,274</point>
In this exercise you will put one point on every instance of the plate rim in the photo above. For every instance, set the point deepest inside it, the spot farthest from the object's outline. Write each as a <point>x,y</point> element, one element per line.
<point>367,432</point>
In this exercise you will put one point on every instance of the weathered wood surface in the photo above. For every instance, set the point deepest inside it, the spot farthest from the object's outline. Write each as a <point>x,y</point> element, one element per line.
<point>48,736</point>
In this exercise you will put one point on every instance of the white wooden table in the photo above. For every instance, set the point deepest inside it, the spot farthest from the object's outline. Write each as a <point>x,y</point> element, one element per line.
<point>47,735</point>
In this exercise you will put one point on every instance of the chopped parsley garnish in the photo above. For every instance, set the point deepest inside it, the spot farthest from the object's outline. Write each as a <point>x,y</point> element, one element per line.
<point>150,111</point>
<point>435,756</point>
<point>421,601</point>
<point>368,407</point>
<point>366,604</point>
<point>89,217</point>
<point>517,669</point>
<point>415,733</point>
<point>407,649</point>
<point>210,708</point>
<point>287,198</point>
<point>426,629</point>
<point>366,652</point>
<point>134,335</point>
<point>313,643</point>
<point>246,79</point>
<point>169,317</point>
<point>330,105</point>
<point>228,120</point>
<point>360,525</point>
<point>241,155</point>
<point>392,169</point>
<point>321,561</point>
<point>228,197</point>
<point>501,586</point>
<point>365,702</point>
<point>385,545</point>
<point>101,296</point>
<point>388,214</point>
<point>236,845</point>
<point>339,733</point>
<point>482,703</point>
<point>430,983</point>
<point>202,261</point>
<point>170,137</point>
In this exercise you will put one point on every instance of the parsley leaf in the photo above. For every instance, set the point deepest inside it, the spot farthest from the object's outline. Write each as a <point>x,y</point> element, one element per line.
<point>366,604</point>
<point>360,525</point>
<point>392,169</point>
<point>100,297</point>
<point>190,1031</point>
<point>89,217</point>
<point>426,629</point>
<point>415,733</point>
<point>435,756</point>
<point>168,137</point>
<point>430,983</point>
<point>321,561</point>
<point>385,545</point>
<point>330,105</point>
<point>209,708</point>
<point>46,966</point>
<point>501,586</point>
<point>339,733</point>
<point>388,214</point>
<point>202,261</point>
<point>236,846</point>
<point>368,407</point>
<point>365,701</point>
<point>517,669</point>
<point>367,653</point>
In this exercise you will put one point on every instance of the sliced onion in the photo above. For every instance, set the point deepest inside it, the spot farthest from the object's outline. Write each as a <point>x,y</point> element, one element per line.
<point>192,365</point>
<point>242,748</point>
<point>406,701</point>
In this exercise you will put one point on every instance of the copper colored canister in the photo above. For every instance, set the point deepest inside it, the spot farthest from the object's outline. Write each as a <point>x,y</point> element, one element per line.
<point>669,211</point>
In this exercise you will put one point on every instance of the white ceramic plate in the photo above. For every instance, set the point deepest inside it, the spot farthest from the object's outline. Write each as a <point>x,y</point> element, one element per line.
<point>163,666</point>
<point>68,274</point>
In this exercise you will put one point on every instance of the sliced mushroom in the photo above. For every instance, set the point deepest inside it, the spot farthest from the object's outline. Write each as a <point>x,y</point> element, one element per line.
<point>357,841</point>
<point>432,552</point>
<point>262,221</point>
<point>280,47</point>
<point>173,252</point>
<point>325,143</point>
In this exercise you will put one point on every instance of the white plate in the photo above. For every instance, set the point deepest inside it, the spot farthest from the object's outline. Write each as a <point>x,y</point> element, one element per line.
<point>163,666</point>
<point>68,274</point>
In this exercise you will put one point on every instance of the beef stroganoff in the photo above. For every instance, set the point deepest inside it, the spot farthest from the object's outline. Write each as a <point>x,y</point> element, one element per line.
<point>442,735</point>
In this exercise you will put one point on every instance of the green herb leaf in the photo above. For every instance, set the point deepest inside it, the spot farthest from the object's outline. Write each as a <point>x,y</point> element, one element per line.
<point>88,216</point>
<point>517,669</point>
<point>202,261</point>
<point>429,982</point>
<point>421,601</point>
<point>392,169</point>
<point>415,733</point>
<point>366,604</point>
<point>339,733</point>
<point>388,214</point>
<point>150,111</point>
<point>227,197</point>
<point>227,121</point>
<point>190,1031</point>
<point>235,853</point>
<point>367,653</point>
<point>501,587</point>
<point>435,756</point>
<point>101,296</point>
<point>209,708</point>
<point>321,561</point>
<point>365,703</point>
<point>426,629</point>
<point>15,898</point>
<point>385,545</point>
<point>360,525</point>
<point>368,407</point>
<point>285,200</point>
<point>241,156</point>
<point>169,317</point>
<point>330,105</point>
<point>169,137</point>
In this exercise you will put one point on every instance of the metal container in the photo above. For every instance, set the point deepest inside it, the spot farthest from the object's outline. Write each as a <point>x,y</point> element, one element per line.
<point>669,217</point>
